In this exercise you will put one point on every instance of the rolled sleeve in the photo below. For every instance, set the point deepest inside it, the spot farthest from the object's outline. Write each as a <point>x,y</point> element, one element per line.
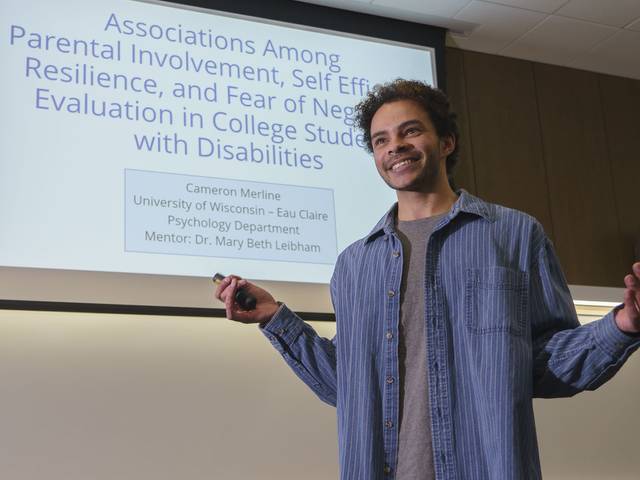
<point>311,357</point>
<point>283,328</point>
<point>612,340</point>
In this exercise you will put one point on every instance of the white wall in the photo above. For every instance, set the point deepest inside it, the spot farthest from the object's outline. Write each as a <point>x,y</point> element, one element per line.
<point>152,398</point>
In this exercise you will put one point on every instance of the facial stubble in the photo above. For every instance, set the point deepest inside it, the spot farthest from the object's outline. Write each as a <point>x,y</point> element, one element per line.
<point>427,178</point>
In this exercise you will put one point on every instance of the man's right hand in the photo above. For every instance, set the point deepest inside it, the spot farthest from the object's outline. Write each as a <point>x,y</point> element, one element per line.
<point>266,306</point>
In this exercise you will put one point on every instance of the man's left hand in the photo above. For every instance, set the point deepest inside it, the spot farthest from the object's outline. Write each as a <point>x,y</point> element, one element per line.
<point>628,317</point>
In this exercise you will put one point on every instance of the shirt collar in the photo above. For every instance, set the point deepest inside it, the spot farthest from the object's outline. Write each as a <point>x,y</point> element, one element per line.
<point>466,203</point>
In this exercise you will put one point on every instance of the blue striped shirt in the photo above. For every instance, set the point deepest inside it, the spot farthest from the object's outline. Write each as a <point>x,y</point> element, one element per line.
<point>500,329</point>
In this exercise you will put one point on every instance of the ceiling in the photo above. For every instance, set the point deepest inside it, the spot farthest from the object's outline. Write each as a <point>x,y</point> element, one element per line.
<point>598,35</point>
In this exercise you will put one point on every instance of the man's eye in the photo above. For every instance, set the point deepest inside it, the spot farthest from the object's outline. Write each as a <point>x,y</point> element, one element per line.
<point>378,141</point>
<point>411,131</point>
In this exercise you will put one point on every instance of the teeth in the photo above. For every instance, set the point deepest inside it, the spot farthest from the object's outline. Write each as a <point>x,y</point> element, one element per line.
<point>400,164</point>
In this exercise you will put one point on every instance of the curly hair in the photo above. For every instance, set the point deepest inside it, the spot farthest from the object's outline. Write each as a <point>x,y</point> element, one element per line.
<point>433,100</point>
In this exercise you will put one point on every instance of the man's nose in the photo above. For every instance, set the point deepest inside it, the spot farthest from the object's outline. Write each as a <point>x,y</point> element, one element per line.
<point>397,146</point>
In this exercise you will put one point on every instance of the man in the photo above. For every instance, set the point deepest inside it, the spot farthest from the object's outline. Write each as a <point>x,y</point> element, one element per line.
<point>452,314</point>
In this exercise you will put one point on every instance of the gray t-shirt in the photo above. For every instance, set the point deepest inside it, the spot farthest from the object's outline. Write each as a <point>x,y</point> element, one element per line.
<point>415,452</point>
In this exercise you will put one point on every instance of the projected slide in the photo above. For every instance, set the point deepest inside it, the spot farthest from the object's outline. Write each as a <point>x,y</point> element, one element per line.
<point>151,138</point>
<point>230,218</point>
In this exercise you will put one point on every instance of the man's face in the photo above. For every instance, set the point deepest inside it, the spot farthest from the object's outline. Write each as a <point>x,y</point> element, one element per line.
<point>408,153</point>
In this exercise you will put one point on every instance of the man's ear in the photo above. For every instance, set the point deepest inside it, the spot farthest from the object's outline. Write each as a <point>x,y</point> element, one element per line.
<point>447,144</point>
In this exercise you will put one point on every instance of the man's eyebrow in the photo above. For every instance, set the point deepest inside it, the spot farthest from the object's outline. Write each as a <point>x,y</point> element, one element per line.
<point>377,134</point>
<point>413,121</point>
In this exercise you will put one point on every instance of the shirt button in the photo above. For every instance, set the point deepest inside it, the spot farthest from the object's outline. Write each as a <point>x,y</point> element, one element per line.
<point>395,254</point>
<point>388,424</point>
<point>281,331</point>
<point>390,379</point>
<point>387,469</point>
<point>391,293</point>
<point>389,335</point>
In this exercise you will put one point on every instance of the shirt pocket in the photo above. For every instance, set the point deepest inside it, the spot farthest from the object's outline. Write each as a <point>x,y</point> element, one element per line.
<point>496,300</point>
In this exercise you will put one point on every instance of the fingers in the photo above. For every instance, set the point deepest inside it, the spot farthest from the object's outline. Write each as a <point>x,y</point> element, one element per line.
<point>243,316</point>
<point>225,292</point>
<point>223,285</point>
<point>631,306</point>
<point>629,281</point>
<point>636,271</point>
<point>632,292</point>
<point>229,299</point>
<point>220,288</point>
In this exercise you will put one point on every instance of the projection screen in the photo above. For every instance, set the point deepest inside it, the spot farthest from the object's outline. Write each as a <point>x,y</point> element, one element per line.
<point>146,146</point>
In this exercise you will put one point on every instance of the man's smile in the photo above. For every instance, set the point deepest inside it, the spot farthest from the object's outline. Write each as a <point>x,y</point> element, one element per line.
<point>399,164</point>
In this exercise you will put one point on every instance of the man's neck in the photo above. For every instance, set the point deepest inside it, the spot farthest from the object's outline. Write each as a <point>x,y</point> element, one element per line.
<point>417,205</point>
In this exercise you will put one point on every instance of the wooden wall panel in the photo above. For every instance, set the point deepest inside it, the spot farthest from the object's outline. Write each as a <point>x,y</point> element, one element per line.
<point>621,105</point>
<point>505,134</point>
<point>456,89</point>
<point>583,205</point>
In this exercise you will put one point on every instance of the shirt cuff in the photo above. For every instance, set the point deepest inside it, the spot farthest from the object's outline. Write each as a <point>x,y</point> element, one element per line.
<point>283,328</point>
<point>613,340</point>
